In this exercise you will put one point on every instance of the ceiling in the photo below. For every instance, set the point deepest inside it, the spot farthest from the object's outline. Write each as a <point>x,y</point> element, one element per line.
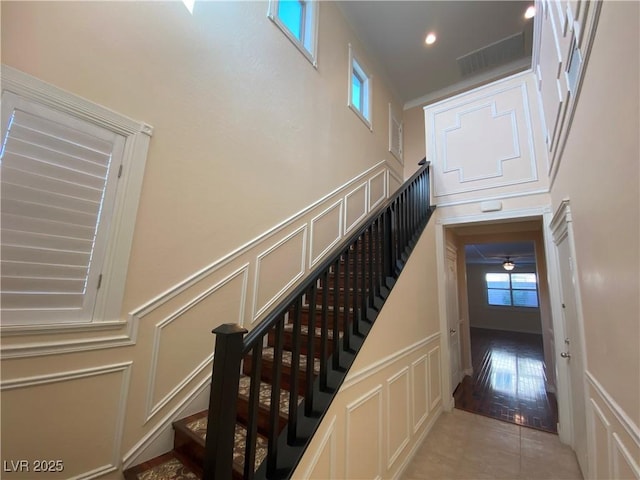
<point>495,253</point>
<point>393,32</point>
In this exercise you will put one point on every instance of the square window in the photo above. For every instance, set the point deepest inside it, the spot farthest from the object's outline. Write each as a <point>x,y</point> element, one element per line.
<point>298,21</point>
<point>512,289</point>
<point>359,90</point>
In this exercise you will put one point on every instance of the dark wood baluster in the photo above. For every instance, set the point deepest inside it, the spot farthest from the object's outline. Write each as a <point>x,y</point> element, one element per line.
<point>336,313</point>
<point>254,408</point>
<point>358,294</point>
<point>370,269</point>
<point>274,408</point>
<point>311,326</point>
<point>292,425</point>
<point>324,351</point>
<point>347,294</point>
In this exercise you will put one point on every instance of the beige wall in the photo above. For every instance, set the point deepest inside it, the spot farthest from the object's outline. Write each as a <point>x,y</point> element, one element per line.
<point>599,174</point>
<point>247,134</point>
<point>392,394</point>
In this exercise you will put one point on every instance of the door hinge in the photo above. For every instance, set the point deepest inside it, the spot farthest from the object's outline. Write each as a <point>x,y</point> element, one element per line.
<point>120,171</point>
<point>99,282</point>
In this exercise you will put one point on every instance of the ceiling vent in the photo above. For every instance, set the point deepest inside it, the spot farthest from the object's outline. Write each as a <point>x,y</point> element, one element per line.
<point>498,53</point>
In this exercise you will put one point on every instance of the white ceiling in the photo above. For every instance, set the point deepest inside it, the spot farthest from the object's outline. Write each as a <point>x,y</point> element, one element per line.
<point>394,31</point>
<point>496,253</point>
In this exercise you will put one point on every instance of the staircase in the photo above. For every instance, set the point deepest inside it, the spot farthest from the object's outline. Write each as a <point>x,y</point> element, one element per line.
<point>272,386</point>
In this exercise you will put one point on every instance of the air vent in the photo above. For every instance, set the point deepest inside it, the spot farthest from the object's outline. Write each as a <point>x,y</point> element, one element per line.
<point>498,53</point>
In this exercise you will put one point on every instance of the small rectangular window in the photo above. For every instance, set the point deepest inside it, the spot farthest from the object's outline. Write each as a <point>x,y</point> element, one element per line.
<point>512,289</point>
<point>298,21</point>
<point>359,90</point>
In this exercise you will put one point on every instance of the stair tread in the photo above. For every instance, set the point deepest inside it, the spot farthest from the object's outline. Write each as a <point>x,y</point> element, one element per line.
<point>199,428</point>
<point>169,467</point>
<point>304,330</point>
<point>265,394</point>
<point>268,353</point>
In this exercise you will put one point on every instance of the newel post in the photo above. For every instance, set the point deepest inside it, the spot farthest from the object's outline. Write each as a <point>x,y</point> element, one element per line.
<point>218,454</point>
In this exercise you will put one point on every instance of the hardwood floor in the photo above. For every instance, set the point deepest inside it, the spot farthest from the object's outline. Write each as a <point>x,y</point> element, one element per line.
<point>508,382</point>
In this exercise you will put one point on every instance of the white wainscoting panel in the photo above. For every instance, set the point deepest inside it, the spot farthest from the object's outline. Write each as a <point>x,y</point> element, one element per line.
<point>398,415</point>
<point>173,369</point>
<point>323,465</point>
<point>100,389</point>
<point>613,438</point>
<point>364,436</point>
<point>278,268</point>
<point>355,206</point>
<point>325,232</point>
<point>624,464</point>
<point>435,390</point>
<point>420,394</point>
<point>600,442</point>
<point>483,140</point>
<point>377,189</point>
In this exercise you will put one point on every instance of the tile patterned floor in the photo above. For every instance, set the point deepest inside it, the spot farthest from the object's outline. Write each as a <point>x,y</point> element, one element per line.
<point>508,381</point>
<point>465,446</point>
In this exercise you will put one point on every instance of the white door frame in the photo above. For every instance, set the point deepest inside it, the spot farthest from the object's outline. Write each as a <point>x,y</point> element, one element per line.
<point>564,408</point>
<point>559,227</point>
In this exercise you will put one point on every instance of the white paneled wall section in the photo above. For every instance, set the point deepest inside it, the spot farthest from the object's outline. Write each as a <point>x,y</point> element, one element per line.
<point>487,139</point>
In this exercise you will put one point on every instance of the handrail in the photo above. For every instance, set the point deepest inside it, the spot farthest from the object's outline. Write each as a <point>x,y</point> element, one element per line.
<point>360,273</point>
<point>270,319</point>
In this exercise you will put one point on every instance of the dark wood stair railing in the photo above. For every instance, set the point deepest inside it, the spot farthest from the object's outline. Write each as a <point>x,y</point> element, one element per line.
<point>304,347</point>
<point>272,386</point>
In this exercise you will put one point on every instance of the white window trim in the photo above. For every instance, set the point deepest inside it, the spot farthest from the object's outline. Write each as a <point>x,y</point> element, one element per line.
<point>309,44</point>
<point>356,65</point>
<point>393,121</point>
<point>107,310</point>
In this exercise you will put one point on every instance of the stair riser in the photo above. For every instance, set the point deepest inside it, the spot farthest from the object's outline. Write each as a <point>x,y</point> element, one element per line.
<point>304,341</point>
<point>263,417</point>
<point>266,374</point>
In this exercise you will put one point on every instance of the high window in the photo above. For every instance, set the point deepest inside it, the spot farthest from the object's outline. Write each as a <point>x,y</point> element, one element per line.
<point>298,21</point>
<point>359,89</point>
<point>512,289</point>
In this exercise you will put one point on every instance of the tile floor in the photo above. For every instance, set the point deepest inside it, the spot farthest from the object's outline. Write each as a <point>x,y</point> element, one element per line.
<point>466,446</point>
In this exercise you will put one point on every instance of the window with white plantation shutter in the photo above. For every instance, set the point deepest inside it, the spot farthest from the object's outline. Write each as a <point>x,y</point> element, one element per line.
<point>58,182</point>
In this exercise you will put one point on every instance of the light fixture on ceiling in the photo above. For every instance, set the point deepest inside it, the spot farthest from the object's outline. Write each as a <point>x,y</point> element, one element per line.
<point>530,12</point>
<point>508,265</point>
<point>430,38</point>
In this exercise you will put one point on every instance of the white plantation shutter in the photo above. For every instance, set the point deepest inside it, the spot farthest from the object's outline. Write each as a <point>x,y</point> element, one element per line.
<point>58,179</point>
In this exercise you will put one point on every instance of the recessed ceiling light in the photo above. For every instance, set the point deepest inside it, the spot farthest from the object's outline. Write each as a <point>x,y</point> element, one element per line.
<point>431,38</point>
<point>530,13</point>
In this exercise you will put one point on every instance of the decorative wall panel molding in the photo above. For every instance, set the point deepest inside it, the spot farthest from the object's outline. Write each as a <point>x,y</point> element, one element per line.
<point>613,440</point>
<point>484,139</point>
<point>624,464</point>
<point>398,399</point>
<point>116,397</point>
<point>377,190</point>
<point>481,122</point>
<point>420,396</point>
<point>562,46</point>
<point>274,261</point>
<point>232,291</point>
<point>328,441</point>
<point>326,232</point>
<point>364,415</point>
<point>355,207</point>
<point>435,395</point>
<point>600,433</point>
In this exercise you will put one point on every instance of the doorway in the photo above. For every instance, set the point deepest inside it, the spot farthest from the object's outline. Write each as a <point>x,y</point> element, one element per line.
<point>506,331</point>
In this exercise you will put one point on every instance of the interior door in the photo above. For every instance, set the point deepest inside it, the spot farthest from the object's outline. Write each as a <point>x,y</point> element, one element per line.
<point>453,316</point>
<point>572,351</point>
